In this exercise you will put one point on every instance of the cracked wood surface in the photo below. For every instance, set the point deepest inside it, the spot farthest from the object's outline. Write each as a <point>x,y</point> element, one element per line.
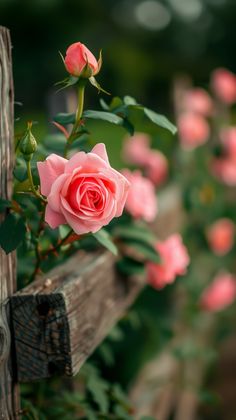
<point>61,318</point>
<point>8,387</point>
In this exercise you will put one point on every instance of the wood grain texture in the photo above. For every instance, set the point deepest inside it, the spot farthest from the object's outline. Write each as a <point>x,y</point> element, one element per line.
<point>60,319</point>
<point>63,316</point>
<point>8,388</point>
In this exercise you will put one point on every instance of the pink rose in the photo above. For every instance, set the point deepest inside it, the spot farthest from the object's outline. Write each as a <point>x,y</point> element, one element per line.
<point>136,149</point>
<point>174,260</point>
<point>141,201</point>
<point>76,59</point>
<point>228,137</point>
<point>220,236</point>
<point>193,130</point>
<point>220,294</point>
<point>156,167</point>
<point>83,192</point>
<point>225,170</point>
<point>199,101</point>
<point>224,85</point>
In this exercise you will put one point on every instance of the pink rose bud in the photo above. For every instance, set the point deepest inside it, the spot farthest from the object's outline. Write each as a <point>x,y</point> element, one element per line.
<point>193,130</point>
<point>80,62</point>
<point>228,137</point>
<point>156,167</point>
<point>220,294</point>
<point>174,261</point>
<point>141,202</point>
<point>224,85</point>
<point>220,236</point>
<point>84,192</point>
<point>225,170</point>
<point>199,101</point>
<point>136,149</point>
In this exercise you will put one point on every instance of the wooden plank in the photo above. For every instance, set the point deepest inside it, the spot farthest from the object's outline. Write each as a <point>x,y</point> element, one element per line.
<point>60,319</point>
<point>8,387</point>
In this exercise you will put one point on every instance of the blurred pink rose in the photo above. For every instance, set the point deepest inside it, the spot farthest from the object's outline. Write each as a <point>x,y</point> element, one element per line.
<point>76,59</point>
<point>156,167</point>
<point>193,130</point>
<point>174,261</point>
<point>220,236</point>
<point>141,201</point>
<point>136,149</point>
<point>225,170</point>
<point>228,137</point>
<point>224,85</point>
<point>199,101</point>
<point>84,192</point>
<point>220,294</point>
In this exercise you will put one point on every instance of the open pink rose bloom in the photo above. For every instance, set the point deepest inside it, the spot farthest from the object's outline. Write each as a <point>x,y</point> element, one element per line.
<point>220,236</point>
<point>193,130</point>
<point>220,294</point>
<point>141,201</point>
<point>224,85</point>
<point>84,192</point>
<point>174,261</point>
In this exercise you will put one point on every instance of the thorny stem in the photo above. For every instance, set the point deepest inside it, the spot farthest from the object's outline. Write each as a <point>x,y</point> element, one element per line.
<point>32,186</point>
<point>79,112</point>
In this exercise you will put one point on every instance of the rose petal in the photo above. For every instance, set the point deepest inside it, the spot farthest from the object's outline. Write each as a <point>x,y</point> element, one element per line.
<point>49,170</point>
<point>53,218</point>
<point>100,150</point>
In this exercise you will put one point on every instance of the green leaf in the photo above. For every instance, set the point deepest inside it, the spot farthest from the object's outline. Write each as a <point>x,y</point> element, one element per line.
<point>135,232</point>
<point>104,105</point>
<point>145,250</point>
<point>104,239</point>
<point>94,83</point>
<point>128,100</point>
<point>116,103</point>
<point>128,126</point>
<point>98,388</point>
<point>160,120</point>
<point>4,204</point>
<point>65,118</point>
<point>20,170</point>
<point>129,267</point>
<point>69,81</point>
<point>104,116</point>
<point>12,233</point>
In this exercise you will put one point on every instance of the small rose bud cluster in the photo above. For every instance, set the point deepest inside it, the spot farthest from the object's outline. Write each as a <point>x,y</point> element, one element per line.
<point>137,151</point>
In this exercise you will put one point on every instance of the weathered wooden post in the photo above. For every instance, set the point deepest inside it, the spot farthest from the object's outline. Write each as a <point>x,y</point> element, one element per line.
<point>8,386</point>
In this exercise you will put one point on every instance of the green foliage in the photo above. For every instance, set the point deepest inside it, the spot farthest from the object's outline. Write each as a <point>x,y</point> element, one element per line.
<point>129,109</point>
<point>103,237</point>
<point>4,204</point>
<point>12,232</point>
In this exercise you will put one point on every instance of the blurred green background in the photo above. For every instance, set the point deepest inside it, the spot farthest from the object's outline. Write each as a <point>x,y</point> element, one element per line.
<point>145,43</point>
